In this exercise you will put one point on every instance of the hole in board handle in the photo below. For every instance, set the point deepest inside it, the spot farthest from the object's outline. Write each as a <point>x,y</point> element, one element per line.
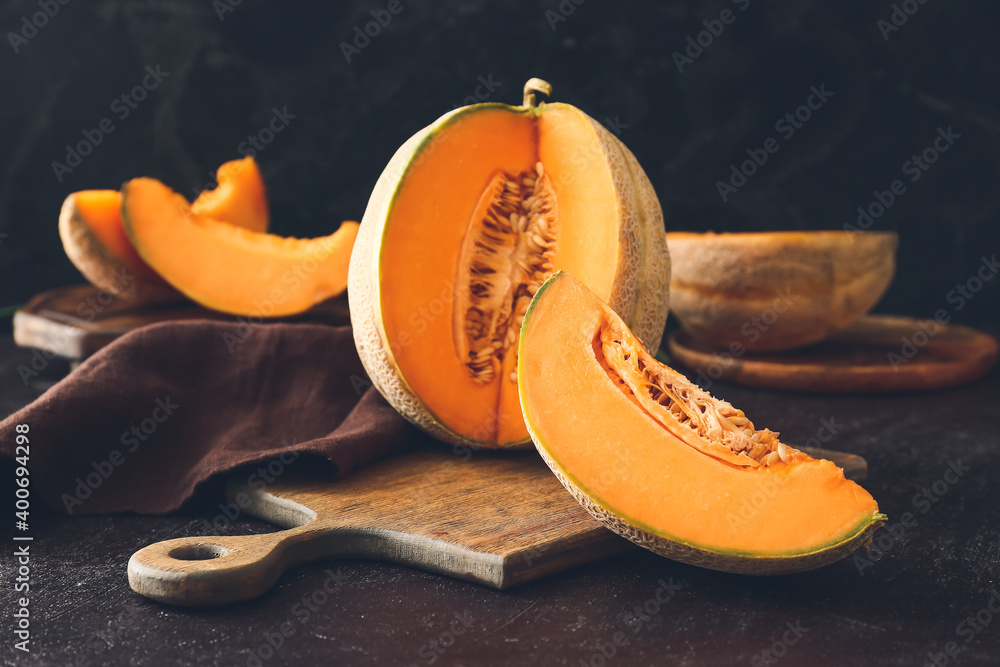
<point>198,552</point>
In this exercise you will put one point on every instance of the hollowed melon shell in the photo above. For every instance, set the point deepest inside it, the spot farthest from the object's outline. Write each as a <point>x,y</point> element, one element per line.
<point>777,290</point>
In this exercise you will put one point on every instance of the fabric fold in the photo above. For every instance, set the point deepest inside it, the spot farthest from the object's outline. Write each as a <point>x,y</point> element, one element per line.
<point>139,425</point>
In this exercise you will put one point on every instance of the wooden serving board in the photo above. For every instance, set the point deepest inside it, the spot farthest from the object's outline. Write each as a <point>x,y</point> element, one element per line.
<point>74,322</point>
<point>871,355</point>
<point>499,519</point>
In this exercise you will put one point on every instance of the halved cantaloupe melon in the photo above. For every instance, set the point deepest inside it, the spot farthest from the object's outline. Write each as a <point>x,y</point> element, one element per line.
<point>227,268</point>
<point>94,238</point>
<point>467,220</point>
<point>661,462</point>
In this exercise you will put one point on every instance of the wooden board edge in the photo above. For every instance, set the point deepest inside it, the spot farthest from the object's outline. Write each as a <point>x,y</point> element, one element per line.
<point>60,340</point>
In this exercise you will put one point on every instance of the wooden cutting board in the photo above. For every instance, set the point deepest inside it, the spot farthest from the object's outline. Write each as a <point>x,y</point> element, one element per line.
<point>498,519</point>
<point>74,322</point>
<point>877,353</point>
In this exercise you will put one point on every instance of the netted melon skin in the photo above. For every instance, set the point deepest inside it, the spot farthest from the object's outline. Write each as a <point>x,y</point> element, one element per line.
<point>641,285</point>
<point>641,295</point>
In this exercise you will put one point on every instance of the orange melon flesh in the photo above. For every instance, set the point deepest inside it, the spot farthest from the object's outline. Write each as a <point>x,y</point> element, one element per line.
<point>102,209</point>
<point>423,238</point>
<point>228,268</point>
<point>239,198</point>
<point>633,467</point>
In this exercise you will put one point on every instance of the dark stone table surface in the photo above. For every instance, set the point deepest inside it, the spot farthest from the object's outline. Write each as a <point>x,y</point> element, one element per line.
<point>927,590</point>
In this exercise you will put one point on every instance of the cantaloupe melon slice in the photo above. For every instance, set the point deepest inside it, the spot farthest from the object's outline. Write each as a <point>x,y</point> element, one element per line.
<point>94,238</point>
<point>227,268</point>
<point>661,462</point>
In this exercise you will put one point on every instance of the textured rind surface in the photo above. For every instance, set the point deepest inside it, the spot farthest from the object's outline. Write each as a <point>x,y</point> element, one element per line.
<point>721,282</point>
<point>713,560</point>
<point>640,295</point>
<point>101,267</point>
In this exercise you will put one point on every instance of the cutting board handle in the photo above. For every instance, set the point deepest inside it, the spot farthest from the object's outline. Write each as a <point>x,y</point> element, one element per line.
<point>213,570</point>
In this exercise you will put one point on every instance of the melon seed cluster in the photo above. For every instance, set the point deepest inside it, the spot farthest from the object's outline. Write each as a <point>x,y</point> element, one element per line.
<point>506,255</point>
<point>671,399</point>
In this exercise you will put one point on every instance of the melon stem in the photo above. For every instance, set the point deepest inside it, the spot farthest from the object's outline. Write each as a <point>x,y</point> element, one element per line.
<point>535,86</point>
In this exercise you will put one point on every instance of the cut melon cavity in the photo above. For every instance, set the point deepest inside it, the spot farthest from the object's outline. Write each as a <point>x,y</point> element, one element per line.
<point>663,463</point>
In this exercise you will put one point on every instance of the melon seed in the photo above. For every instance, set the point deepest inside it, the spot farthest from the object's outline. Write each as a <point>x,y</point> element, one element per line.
<point>506,255</point>
<point>684,409</point>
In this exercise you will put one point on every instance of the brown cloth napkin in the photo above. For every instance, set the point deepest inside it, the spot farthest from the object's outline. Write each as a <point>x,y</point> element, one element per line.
<point>145,420</point>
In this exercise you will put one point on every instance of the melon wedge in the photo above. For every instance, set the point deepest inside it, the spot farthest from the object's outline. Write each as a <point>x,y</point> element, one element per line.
<point>94,238</point>
<point>227,268</point>
<point>664,464</point>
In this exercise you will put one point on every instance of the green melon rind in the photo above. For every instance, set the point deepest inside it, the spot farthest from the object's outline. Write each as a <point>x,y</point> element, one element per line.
<point>664,544</point>
<point>642,283</point>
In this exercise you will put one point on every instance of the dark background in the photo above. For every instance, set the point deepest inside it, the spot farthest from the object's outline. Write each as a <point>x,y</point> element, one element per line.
<point>613,60</point>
